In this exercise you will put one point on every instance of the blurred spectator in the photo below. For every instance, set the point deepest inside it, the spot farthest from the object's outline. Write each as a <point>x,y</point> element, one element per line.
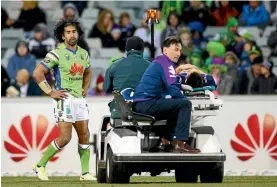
<point>6,22</point>
<point>5,81</point>
<point>22,59</point>
<point>266,83</point>
<point>198,39</point>
<point>254,14</point>
<point>271,7</point>
<point>187,45</point>
<point>80,5</point>
<point>195,58</point>
<point>103,29</point>
<point>246,79</point>
<point>98,90</point>
<point>70,12</point>
<point>238,5</point>
<point>169,6</point>
<point>254,53</point>
<point>172,27</point>
<point>222,14</point>
<point>42,43</point>
<point>24,86</point>
<point>127,30</point>
<point>197,12</point>
<point>232,63</point>
<point>224,81</point>
<point>243,37</point>
<point>30,16</point>
<point>232,25</point>
<point>228,38</point>
<point>272,42</point>
<point>144,32</point>
<point>216,50</point>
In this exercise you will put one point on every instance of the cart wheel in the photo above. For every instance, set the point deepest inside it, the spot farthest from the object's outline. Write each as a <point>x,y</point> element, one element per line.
<point>213,174</point>
<point>185,174</point>
<point>100,172</point>
<point>115,172</point>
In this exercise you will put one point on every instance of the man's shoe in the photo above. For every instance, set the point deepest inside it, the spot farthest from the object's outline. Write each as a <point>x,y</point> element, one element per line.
<point>87,177</point>
<point>164,145</point>
<point>41,173</point>
<point>183,147</point>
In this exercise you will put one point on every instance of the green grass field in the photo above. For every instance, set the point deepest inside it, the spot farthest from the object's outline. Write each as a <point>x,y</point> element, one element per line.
<point>137,181</point>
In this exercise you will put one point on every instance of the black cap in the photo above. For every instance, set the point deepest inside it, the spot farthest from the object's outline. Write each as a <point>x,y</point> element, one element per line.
<point>134,43</point>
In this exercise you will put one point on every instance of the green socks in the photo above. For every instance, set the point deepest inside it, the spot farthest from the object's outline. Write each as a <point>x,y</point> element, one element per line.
<point>84,153</point>
<point>52,149</point>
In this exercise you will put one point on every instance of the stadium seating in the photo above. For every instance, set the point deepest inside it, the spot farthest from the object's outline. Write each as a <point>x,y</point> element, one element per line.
<point>12,33</point>
<point>9,53</point>
<point>211,31</point>
<point>266,51</point>
<point>95,72</point>
<point>54,15</point>
<point>268,30</point>
<point>255,31</point>
<point>11,6</point>
<point>3,51</point>
<point>94,43</point>
<point>90,13</point>
<point>107,53</point>
<point>262,41</point>
<point>99,63</point>
<point>130,11</point>
<point>13,14</point>
<point>4,62</point>
<point>274,60</point>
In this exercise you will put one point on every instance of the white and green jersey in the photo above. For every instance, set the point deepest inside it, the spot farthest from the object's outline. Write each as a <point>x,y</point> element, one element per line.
<point>68,67</point>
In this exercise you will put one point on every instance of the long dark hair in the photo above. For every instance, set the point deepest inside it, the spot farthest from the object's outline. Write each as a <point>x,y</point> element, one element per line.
<point>64,22</point>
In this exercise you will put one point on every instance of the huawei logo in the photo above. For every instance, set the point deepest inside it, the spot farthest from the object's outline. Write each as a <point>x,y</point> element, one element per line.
<point>30,139</point>
<point>256,139</point>
<point>76,68</point>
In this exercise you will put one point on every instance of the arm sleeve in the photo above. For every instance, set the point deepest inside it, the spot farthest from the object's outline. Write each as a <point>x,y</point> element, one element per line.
<point>208,80</point>
<point>51,59</point>
<point>171,83</point>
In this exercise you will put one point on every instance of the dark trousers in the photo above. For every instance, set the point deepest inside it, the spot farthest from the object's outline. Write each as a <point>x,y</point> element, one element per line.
<point>177,112</point>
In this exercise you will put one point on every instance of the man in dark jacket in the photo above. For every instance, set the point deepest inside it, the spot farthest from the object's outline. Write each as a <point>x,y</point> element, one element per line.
<point>126,72</point>
<point>272,42</point>
<point>267,82</point>
<point>246,79</point>
<point>159,94</point>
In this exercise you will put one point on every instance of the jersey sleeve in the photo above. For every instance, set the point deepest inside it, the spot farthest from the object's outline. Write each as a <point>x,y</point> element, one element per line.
<point>50,60</point>
<point>87,60</point>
